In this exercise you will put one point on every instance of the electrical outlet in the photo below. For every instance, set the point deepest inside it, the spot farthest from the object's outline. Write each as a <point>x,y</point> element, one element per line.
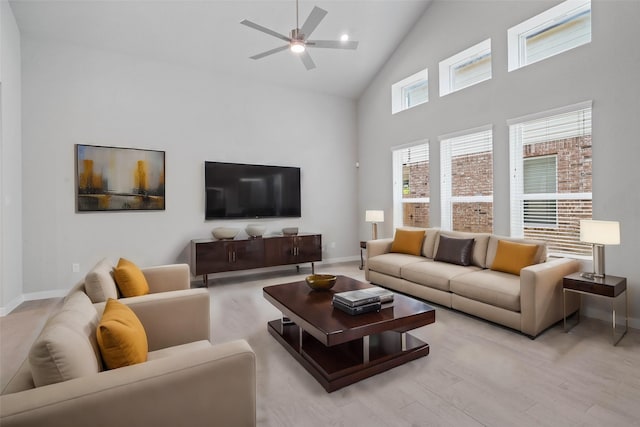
<point>75,268</point>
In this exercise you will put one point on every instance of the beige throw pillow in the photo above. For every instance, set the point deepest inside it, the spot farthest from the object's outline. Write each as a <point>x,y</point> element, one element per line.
<point>99,283</point>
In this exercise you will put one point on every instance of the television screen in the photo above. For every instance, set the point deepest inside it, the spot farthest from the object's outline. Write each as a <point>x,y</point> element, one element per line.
<point>236,190</point>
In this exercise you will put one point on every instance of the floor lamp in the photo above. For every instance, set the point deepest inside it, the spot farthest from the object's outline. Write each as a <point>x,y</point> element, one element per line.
<point>374,217</point>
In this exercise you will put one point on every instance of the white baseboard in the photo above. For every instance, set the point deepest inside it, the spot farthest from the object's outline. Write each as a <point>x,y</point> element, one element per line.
<point>11,305</point>
<point>31,296</point>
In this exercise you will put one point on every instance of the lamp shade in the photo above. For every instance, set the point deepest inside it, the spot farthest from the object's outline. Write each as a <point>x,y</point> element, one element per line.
<point>374,216</point>
<point>600,232</point>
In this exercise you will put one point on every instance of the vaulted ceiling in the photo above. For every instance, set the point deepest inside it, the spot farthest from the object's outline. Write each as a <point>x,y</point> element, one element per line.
<point>207,34</point>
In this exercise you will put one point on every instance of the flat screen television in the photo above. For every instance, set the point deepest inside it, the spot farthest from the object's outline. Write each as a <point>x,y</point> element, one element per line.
<point>235,190</point>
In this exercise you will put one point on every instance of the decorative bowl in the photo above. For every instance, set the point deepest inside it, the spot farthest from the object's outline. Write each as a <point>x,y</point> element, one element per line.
<point>290,231</point>
<point>321,282</point>
<point>255,230</point>
<point>223,233</point>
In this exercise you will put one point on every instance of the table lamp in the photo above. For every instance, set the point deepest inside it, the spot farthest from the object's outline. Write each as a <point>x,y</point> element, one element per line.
<point>374,217</point>
<point>599,233</point>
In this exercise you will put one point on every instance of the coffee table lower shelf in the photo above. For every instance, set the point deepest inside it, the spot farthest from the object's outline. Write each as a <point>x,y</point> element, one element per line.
<point>344,364</point>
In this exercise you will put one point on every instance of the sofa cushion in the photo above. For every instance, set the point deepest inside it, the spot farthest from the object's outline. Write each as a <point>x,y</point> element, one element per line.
<point>479,257</point>
<point>130,279</point>
<point>391,263</point>
<point>430,239</point>
<point>99,284</point>
<point>492,248</point>
<point>121,336</point>
<point>512,257</point>
<point>433,274</point>
<point>455,251</point>
<point>408,242</point>
<point>66,348</point>
<point>490,287</point>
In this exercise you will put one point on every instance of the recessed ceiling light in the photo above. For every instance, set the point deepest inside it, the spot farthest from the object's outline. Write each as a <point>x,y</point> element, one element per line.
<point>344,37</point>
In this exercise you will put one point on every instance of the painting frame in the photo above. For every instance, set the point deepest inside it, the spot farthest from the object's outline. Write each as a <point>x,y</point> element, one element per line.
<point>116,179</point>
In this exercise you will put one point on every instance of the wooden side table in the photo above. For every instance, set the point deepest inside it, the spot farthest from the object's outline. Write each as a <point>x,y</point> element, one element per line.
<point>611,287</point>
<point>363,245</point>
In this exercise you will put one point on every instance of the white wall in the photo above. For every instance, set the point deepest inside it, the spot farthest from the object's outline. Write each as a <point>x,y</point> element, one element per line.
<point>73,95</point>
<point>605,71</point>
<point>10,159</point>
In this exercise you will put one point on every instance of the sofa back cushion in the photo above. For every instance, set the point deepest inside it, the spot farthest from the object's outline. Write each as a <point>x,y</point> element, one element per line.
<point>99,283</point>
<point>479,255</point>
<point>67,348</point>
<point>429,245</point>
<point>492,248</point>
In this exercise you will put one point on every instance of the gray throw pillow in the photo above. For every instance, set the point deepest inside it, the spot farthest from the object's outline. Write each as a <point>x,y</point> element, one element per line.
<point>455,251</point>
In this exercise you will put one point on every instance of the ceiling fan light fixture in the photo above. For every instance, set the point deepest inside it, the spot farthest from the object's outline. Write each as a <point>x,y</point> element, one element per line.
<point>297,47</point>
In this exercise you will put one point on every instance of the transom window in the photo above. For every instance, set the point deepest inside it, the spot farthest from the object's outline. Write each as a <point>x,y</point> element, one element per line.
<point>551,178</point>
<point>410,92</point>
<point>466,68</point>
<point>561,28</point>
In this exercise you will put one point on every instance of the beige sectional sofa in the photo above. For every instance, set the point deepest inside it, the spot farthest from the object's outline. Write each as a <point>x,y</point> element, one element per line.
<point>185,381</point>
<point>530,302</point>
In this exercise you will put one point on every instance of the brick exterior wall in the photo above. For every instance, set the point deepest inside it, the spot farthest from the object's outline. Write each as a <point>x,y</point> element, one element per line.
<point>472,175</point>
<point>416,183</point>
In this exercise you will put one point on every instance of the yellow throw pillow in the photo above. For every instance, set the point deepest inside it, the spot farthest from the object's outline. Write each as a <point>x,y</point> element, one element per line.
<point>512,257</point>
<point>408,242</point>
<point>121,336</point>
<point>130,280</point>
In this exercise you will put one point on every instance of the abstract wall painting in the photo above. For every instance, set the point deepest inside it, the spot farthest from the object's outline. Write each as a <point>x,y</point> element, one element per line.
<point>119,179</point>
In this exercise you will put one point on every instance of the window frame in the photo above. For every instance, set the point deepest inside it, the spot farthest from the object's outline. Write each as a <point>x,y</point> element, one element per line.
<point>398,180</point>
<point>447,199</point>
<point>516,182</point>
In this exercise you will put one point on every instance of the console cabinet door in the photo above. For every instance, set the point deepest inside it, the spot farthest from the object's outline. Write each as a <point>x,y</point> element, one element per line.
<point>308,248</point>
<point>211,257</point>
<point>246,254</point>
<point>278,251</point>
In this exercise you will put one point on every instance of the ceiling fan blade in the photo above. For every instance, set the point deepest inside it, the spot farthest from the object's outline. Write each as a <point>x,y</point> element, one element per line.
<point>312,21</point>
<point>270,52</point>
<point>307,61</point>
<point>265,30</point>
<point>332,44</point>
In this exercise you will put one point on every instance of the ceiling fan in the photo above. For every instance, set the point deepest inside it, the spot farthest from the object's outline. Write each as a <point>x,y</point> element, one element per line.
<point>298,41</point>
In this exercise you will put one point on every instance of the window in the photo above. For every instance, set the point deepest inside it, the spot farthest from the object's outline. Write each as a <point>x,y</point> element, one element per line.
<point>411,185</point>
<point>554,31</point>
<point>551,178</point>
<point>540,177</point>
<point>466,165</point>
<point>466,68</point>
<point>409,92</point>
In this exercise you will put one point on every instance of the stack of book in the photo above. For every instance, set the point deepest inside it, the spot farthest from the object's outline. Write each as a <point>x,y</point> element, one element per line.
<point>363,300</point>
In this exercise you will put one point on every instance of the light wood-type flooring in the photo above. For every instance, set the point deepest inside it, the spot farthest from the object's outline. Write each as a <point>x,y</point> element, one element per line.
<point>477,373</point>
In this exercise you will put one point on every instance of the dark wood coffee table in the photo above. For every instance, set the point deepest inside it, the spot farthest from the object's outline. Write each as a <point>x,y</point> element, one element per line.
<point>339,349</point>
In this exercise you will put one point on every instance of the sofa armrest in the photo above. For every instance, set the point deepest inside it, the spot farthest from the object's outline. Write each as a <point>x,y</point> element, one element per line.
<point>541,294</point>
<point>206,387</point>
<point>378,247</point>
<point>165,278</point>
<point>171,318</point>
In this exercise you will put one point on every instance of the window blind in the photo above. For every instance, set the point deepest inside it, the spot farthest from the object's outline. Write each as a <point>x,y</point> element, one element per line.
<point>551,180</point>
